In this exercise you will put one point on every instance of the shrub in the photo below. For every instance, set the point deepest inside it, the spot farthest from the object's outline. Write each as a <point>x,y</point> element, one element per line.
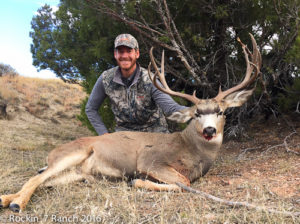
<point>288,100</point>
<point>106,115</point>
<point>7,70</point>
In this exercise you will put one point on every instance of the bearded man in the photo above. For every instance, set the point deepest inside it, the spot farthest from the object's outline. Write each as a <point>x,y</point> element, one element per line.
<point>136,103</point>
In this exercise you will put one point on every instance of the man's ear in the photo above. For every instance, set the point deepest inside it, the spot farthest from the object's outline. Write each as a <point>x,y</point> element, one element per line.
<point>115,53</point>
<point>137,53</point>
<point>237,99</point>
<point>181,116</point>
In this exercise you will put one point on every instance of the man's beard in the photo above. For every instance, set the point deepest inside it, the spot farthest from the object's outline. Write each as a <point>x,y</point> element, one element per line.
<point>132,64</point>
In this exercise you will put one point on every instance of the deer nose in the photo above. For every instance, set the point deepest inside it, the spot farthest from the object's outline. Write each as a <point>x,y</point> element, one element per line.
<point>209,131</point>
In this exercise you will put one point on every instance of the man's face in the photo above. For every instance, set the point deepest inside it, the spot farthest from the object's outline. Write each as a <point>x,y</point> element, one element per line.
<point>126,58</point>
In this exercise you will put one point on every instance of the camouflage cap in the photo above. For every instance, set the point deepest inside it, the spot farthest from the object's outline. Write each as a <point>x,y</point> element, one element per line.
<point>126,40</point>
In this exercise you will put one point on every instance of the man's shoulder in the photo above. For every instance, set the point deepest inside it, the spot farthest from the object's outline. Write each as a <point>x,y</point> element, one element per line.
<point>143,71</point>
<point>109,73</point>
<point>144,75</point>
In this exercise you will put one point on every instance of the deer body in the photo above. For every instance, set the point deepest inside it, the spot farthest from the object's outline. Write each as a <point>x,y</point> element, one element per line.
<point>181,150</point>
<point>180,157</point>
<point>169,158</point>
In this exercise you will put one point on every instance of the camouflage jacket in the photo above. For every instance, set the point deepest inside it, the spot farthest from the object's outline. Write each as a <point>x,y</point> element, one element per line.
<point>133,106</point>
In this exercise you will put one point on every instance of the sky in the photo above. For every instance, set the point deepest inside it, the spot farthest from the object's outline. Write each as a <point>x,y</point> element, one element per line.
<point>15,18</point>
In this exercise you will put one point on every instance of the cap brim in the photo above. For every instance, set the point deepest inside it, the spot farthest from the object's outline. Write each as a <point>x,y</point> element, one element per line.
<point>126,45</point>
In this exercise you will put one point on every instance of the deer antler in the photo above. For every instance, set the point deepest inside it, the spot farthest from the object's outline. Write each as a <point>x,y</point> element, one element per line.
<point>254,64</point>
<point>161,75</point>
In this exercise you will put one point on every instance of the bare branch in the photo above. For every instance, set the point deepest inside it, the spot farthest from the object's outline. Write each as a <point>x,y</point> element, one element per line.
<point>138,11</point>
<point>178,37</point>
<point>178,75</point>
<point>236,204</point>
<point>284,144</point>
<point>288,149</point>
<point>165,15</point>
<point>297,108</point>
<point>101,7</point>
<point>244,151</point>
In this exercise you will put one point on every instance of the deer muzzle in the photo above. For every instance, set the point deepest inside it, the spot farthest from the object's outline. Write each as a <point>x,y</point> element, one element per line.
<point>209,133</point>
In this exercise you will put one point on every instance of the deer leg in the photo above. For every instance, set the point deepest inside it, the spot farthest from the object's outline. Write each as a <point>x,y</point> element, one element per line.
<point>69,177</point>
<point>167,175</point>
<point>5,200</point>
<point>20,199</point>
<point>150,185</point>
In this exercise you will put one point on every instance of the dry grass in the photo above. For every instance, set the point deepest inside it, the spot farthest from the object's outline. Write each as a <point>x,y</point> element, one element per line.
<point>41,98</point>
<point>267,179</point>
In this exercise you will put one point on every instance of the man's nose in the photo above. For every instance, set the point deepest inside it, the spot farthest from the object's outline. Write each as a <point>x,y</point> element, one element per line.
<point>124,54</point>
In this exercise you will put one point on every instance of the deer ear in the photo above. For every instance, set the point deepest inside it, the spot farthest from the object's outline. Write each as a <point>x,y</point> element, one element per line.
<point>237,99</point>
<point>181,116</point>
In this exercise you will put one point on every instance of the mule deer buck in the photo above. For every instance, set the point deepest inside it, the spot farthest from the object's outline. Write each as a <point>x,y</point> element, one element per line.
<point>165,158</point>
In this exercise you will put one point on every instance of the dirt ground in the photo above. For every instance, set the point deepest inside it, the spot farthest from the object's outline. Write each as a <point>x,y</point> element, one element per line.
<point>261,168</point>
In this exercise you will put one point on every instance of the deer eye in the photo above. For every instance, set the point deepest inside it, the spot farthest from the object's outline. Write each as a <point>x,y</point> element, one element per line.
<point>221,113</point>
<point>197,114</point>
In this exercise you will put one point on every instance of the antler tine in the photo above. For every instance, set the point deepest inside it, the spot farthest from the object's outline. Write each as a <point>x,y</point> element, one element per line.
<point>256,54</point>
<point>165,88</point>
<point>250,77</point>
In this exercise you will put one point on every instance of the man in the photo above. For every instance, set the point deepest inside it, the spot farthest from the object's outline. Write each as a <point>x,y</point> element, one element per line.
<point>136,103</point>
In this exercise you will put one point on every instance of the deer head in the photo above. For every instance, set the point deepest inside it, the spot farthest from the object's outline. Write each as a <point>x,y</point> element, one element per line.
<point>208,114</point>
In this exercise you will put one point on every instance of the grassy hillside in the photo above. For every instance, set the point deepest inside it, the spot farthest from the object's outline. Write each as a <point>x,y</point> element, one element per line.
<point>39,113</point>
<point>262,169</point>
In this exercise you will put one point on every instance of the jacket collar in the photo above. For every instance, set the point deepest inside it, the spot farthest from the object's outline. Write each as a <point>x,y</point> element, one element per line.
<point>118,75</point>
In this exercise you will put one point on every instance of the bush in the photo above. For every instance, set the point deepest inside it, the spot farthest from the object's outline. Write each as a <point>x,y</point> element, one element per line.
<point>288,100</point>
<point>7,70</point>
<point>106,115</point>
